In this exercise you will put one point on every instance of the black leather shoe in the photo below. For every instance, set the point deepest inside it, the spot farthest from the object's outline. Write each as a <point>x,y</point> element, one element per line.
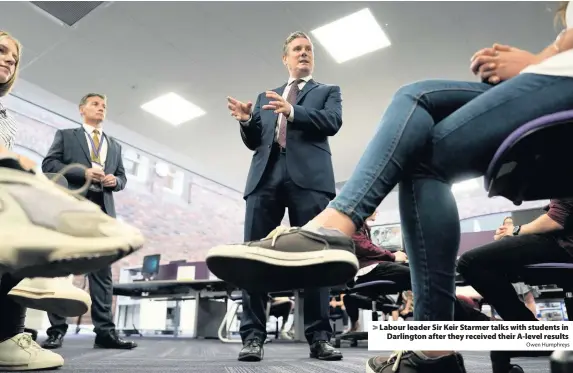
<point>54,341</point>
<point>252,351</point>
<point>112,341</point>
<point>323,350</point>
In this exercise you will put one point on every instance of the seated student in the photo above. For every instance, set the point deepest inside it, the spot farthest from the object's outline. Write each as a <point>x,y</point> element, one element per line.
<point>282,307</point>
<point>406,310</point>
<point>489,268</point>
<point>337,308</point>
<point>377,264</point>
<point>525,292</point>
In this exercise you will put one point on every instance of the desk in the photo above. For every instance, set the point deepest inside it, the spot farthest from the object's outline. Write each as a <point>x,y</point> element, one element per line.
<point>205,290</point>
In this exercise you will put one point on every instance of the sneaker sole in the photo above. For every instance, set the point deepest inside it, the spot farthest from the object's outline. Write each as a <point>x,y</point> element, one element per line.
<point>58,303</point>
<point>368,368</point>
<point>39,252</point>
<point>36,365</point>
<point>259,269</point>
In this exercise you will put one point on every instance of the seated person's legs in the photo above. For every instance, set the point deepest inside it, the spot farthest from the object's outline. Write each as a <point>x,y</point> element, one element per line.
<point>18,352</point>
<point>282,308</point>
<point>353,305</point>
<point>489,269</point>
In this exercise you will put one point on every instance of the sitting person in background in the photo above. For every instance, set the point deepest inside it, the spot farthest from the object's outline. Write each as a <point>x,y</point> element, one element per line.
<point>490,268</point>
<point>525,292</point>
<point>378,264</point>
<point>406,311</point>
<point>282,307</point>
<point>337,308</point>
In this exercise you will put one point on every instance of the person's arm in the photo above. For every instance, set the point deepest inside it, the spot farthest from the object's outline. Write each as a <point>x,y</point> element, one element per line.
<point>557,218</point>
<point>53,163</point>
<point>324,122</point>
<point>365,248</point>
<point>252,129</point>
<point>120,177</point>
<point>564,42</point>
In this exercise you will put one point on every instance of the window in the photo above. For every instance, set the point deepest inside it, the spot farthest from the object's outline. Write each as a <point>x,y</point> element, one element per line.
<point>171,179</point>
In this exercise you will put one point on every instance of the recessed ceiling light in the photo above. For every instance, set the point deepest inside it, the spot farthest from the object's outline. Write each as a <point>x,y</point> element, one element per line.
<point>173,109</point>
<point>352,36</point>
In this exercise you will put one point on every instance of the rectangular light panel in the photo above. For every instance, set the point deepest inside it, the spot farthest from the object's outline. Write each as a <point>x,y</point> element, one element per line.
<point>352,36</point>
<point>173,109</point>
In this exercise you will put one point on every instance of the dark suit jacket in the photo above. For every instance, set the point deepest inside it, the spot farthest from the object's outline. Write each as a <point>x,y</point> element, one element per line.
<point>317,115</point>
<point>71,146</point>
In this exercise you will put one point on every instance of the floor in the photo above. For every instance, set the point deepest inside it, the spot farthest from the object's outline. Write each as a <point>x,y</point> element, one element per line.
<point>164,355</point>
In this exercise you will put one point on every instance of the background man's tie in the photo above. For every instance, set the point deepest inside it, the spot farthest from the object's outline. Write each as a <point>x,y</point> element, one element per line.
<point>95,137</point>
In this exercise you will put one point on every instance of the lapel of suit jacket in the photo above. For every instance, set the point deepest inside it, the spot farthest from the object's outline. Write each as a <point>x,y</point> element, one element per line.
<point>81,137</point>
<point>309,86</point>
<point>111,156</point>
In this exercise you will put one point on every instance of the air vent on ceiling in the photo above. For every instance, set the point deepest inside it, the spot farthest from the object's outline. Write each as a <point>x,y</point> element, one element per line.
<point>68,12</point>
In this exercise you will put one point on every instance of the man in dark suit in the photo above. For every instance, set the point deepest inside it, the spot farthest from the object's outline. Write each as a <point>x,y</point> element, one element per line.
<point>101,154</point>
<point>288,130</point>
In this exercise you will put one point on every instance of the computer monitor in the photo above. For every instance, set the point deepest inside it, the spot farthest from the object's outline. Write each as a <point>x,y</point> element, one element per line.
<point>150,267</point>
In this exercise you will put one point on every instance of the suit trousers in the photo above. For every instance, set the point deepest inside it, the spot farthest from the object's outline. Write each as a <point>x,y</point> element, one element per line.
<point>101,293</point>
<point>264,212</point>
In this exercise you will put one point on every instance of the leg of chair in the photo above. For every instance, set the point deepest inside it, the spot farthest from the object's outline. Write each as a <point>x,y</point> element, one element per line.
<point>569,303</point>
<point>226,323</point>
<point>562,362</point>
<point>374,311</point>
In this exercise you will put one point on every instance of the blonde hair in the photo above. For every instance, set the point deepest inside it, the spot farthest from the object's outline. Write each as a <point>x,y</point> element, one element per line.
<point>561,13</point>
<point>6,87</point>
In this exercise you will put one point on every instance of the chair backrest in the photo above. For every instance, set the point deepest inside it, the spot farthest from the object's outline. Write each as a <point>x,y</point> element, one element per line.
<point>60,180</point>
<point>533,162</point>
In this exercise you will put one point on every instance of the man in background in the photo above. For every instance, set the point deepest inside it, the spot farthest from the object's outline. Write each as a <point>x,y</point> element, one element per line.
<point>91,147</point>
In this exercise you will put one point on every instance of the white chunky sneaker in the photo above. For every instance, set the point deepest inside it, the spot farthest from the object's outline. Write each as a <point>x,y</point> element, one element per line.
<point>53,295</point>
<point>49,231</point>
<point>20,353</point>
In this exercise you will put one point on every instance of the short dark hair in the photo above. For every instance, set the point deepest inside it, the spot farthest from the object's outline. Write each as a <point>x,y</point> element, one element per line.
<point>291,37</point>
<point>90,95</point>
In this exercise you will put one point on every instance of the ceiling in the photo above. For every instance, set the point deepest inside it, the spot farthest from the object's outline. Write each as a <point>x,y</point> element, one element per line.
<point>205,51</point>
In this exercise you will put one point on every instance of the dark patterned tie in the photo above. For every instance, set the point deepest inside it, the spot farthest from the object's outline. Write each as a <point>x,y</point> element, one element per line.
<point>291,99</point>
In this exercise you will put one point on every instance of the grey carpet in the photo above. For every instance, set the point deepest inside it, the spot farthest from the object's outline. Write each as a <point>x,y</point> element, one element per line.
<point>165,355</point>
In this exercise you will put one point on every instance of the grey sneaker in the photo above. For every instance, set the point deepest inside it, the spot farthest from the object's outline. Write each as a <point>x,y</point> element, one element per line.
<point>288,258</point>
<point>49,231</point>
<point>410,362</point>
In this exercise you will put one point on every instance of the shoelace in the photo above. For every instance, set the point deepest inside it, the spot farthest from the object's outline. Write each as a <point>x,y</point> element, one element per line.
<point>398,356</point>
<point>26,342</point>
<point>62,174</point>
<point>277,232</point>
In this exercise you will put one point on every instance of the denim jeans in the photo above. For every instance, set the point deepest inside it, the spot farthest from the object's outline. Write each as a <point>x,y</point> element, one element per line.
<point>432,134</point>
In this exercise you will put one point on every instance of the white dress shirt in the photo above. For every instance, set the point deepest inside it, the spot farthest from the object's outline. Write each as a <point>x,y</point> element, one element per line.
<point>89,130</point>
<point>285,95</point>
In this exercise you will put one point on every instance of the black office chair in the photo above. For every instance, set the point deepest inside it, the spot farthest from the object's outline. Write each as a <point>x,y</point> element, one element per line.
<point>527,167</point>
<point>375,293</point>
